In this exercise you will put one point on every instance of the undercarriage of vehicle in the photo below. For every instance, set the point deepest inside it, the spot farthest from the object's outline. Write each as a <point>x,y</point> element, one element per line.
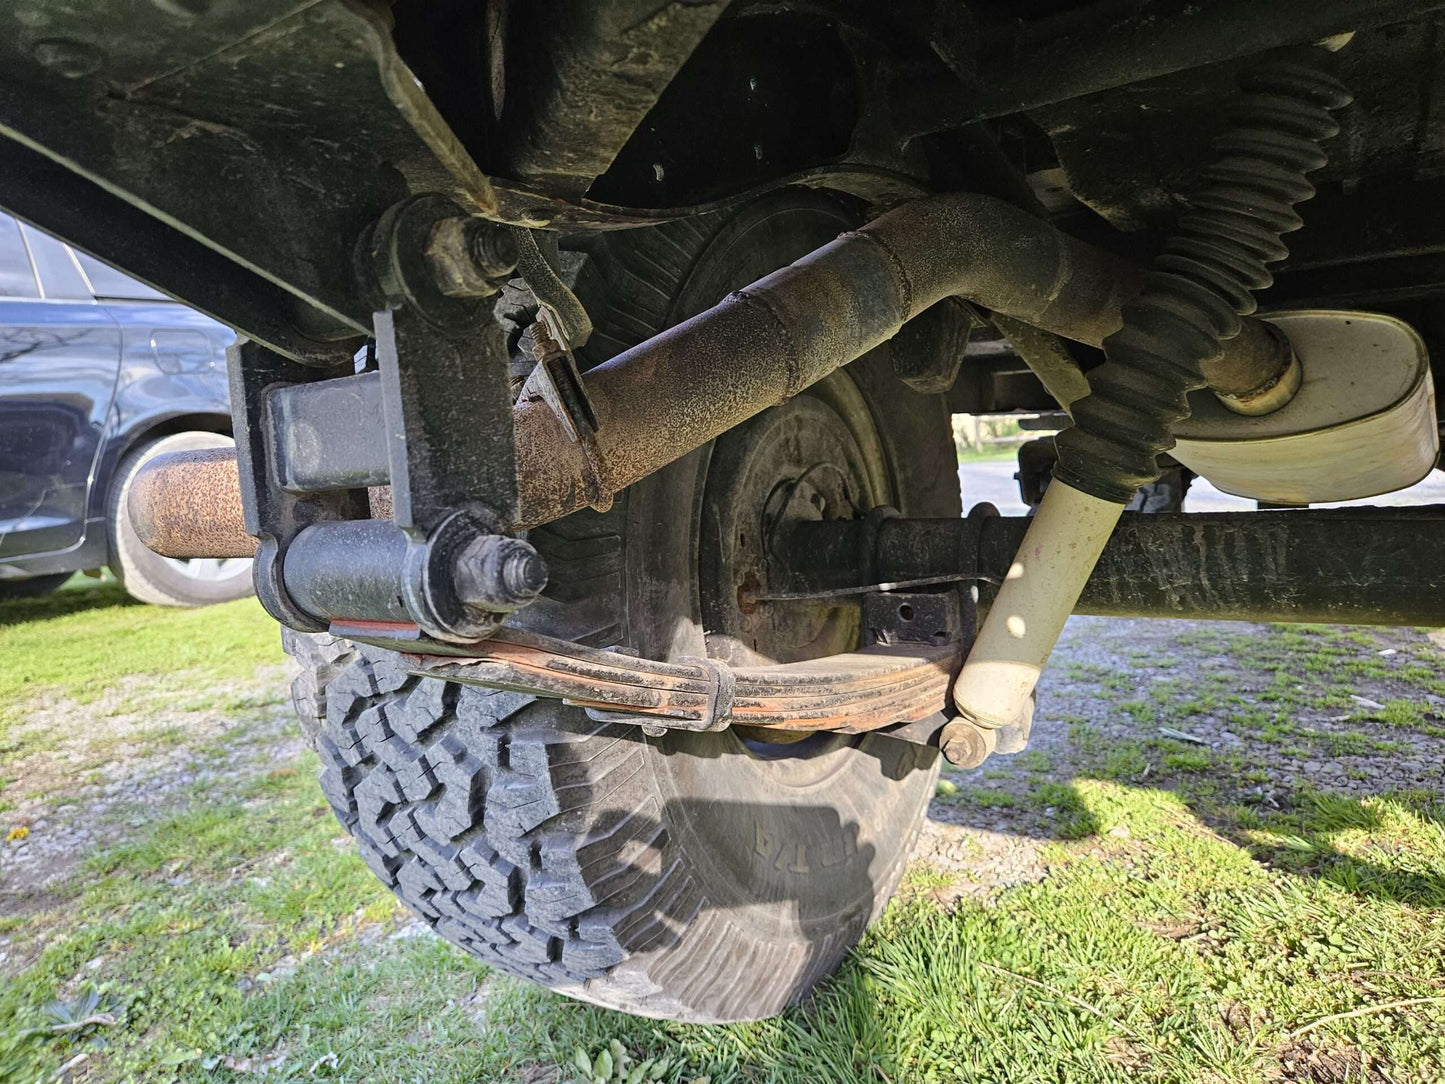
<point>599,354</point>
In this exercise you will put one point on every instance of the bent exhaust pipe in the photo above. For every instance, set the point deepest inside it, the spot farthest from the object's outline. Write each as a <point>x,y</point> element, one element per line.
<point>758,347</point>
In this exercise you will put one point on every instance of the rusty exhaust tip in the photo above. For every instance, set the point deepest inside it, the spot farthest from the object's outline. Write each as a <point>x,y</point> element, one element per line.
<point>188,504</point>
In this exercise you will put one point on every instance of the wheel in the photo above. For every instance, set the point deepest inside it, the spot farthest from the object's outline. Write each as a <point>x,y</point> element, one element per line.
<point>167,581</point>
<point>34,587</point>
<point>703,877</point>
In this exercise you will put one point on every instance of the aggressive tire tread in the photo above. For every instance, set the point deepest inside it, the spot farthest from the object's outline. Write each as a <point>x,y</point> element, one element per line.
<point>534,837</point>
<point>481,837</point>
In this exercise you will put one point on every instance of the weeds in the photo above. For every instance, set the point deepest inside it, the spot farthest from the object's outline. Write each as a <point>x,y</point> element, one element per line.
<point>1187,929</point>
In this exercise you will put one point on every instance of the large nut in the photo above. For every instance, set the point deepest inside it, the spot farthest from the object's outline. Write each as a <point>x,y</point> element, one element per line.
<point>469,256</point>
<point>499,573</point>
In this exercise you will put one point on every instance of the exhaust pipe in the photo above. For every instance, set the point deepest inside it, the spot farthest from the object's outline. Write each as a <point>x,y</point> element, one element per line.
<point>758,347</point>
<point>190,505</point>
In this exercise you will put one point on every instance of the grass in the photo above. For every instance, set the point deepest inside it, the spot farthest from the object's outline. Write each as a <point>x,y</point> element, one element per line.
<point>82,642</point>
<point>1179,936</point>
<point>1402,713</point>
<point>994,454</point>
<point>172,927</point>
<point>90,642</point>
<point>1125,761</point>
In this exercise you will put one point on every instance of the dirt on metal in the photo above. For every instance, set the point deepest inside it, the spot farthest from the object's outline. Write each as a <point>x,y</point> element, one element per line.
<point>850,694</point>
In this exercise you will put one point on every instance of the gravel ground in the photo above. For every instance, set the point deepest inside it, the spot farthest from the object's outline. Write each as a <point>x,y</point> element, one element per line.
<point>994,845</point>
<point>1104,666</point>
<point>103,770</point>
<point>116,774</point>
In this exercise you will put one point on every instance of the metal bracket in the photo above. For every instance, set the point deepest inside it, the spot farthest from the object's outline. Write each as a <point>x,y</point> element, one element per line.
<point>440,410</point>
<point>569,323</point>
<point>562,327</point>
<point>918,617</point>
<point>448,412</point>
<point>272,515</point>
<point>557,381</point>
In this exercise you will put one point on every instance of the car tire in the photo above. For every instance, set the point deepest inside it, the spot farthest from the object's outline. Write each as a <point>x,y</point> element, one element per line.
<point>165,581</point>
<point>703,877</point>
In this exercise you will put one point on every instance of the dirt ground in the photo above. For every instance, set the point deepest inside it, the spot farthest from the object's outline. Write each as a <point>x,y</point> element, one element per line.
<point>1255,798</point>
<point>101,770</point>
<point>1354,715</point>
<point>1110,687</point>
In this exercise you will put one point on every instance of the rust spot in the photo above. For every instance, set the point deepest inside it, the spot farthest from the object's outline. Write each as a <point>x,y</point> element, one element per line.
<point>854,692</point>
<point>188,504</point>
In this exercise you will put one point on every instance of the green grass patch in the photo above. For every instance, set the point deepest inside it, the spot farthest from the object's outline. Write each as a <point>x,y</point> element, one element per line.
<point>1086,738</point>
<point>1212,949</point>
<point>172,926</point>
<point>1189,760</point>
<point>1199,967</point>
<point>1349,743</point>
<point>1199,705</point>
<point>1034,760</point>
<point>1124,762</point>
<point>80,643</point>
<point>1403,713</point>
<point>1179,936</point>
<point>1141,711</point>
<point>987,455</point>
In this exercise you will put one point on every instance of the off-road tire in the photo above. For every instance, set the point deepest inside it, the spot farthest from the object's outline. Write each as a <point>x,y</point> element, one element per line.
<point>689,876</point>
<point>147,576</point>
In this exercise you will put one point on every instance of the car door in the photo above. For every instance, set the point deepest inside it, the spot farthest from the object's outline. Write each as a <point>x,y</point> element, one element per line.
<point>59,359</point>
<point>173,358</point>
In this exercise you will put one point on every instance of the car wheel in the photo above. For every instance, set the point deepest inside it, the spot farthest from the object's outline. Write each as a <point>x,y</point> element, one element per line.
<point>696,876</point>
<point>167,581</point>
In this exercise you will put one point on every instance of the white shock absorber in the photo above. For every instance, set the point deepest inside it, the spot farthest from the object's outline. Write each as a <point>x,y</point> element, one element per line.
<point>1059,551</point>
<point>1193,297</point>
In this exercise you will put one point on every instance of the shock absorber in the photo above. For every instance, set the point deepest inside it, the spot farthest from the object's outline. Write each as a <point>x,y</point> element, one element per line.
<point>1193,296</point>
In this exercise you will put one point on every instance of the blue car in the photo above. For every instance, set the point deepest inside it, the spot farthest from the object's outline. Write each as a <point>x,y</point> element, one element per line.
<point>97,374</point>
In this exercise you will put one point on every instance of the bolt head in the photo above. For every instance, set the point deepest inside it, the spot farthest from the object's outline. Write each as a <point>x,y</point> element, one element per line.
<point>964,745</point>
<point>523,572</point>
<point>493,247</point>
<point>468,256</point>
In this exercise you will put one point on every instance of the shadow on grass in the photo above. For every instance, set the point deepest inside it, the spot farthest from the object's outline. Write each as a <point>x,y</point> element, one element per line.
<point>79,593</point>
<point>1303,835</point>
<point>1304,839</point>
<point>1265,765</point>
